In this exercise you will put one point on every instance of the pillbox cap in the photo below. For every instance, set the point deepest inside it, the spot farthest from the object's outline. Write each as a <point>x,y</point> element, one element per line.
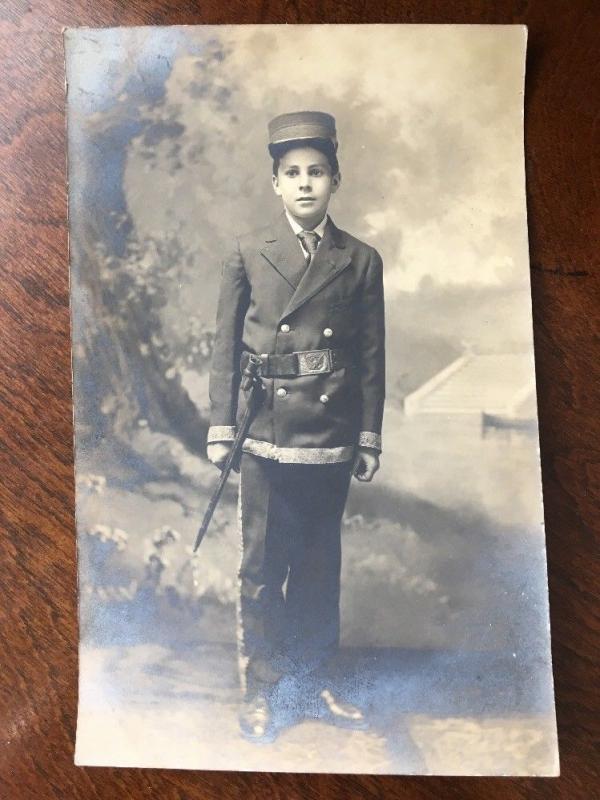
<point>300,125</point>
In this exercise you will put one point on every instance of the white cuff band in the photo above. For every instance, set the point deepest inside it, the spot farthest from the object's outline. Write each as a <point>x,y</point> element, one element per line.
<point>220,433</point>
<point>369,439</point>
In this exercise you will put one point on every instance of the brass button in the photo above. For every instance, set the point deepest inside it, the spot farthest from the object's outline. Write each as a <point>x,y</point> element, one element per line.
<point>281,392</point>
<point>285,328</point>
<point>328,333</point>
<point>324,398</point>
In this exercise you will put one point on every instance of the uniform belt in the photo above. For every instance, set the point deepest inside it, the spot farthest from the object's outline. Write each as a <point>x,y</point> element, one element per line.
<point>304,362</point>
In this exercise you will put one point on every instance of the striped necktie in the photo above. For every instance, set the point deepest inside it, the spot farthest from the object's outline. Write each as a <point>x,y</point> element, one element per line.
<point>310,240</point>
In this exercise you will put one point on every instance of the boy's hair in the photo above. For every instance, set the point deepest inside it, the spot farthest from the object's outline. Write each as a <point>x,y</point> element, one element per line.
<point>323,145</point>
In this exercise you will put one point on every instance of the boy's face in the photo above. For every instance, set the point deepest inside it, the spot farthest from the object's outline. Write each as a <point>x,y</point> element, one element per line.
<point>305,183</point>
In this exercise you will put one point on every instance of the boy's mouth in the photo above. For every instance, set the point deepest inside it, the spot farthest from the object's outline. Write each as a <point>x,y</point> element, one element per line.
<point>306,199</point>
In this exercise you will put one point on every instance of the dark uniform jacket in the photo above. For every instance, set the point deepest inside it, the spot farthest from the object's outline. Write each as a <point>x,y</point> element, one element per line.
<point>271,303</point>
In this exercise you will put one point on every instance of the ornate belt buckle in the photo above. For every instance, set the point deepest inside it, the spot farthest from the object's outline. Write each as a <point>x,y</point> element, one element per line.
<point>314,362</point>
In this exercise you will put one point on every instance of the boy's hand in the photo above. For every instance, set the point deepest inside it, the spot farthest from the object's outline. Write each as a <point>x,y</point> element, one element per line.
<point>217,453</point>
<point>366,464</point>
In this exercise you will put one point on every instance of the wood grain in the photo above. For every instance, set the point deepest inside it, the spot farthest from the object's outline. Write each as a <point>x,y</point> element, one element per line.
<point>38,663</point>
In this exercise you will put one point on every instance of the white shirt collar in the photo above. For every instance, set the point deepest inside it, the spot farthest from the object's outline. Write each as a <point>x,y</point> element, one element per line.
<point>319,229</point>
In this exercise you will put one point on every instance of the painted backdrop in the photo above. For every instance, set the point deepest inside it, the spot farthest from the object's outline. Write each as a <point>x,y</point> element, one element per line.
<point>444,602</point>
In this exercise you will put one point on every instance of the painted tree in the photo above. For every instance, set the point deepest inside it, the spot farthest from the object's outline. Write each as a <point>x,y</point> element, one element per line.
<point>132,338</point>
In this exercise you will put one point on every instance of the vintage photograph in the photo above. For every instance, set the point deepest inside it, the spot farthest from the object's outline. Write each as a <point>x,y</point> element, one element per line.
<point>308,496</point>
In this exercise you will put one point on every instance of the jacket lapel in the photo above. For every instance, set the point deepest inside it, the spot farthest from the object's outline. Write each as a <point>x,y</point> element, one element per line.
<point>283,252</point>
<point>328,262</point>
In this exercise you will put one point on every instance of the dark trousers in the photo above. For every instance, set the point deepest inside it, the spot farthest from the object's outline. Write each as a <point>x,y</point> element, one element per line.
<point>288,611</point>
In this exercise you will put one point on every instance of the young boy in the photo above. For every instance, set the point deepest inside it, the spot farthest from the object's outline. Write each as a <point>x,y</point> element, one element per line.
<point>307,298</point>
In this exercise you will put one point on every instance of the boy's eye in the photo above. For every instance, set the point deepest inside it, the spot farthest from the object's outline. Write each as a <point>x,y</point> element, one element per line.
<point>316,171</point>
<point>291,172</point>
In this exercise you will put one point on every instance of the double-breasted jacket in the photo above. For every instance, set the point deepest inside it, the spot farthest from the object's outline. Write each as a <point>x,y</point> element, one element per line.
<point>270,303</point>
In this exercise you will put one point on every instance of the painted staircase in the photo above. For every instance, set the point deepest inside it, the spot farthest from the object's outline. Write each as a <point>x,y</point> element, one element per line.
<point>499,384</point>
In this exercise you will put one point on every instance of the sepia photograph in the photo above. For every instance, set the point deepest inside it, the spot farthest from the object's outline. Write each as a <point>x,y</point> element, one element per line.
<point>308,495</point>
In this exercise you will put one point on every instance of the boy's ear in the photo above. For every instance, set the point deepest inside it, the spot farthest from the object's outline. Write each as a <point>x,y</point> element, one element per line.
<point>276,188</point>
<point>336,181</point>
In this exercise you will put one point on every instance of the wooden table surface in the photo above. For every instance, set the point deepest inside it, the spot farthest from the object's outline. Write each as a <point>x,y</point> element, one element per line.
<point>38,660</point>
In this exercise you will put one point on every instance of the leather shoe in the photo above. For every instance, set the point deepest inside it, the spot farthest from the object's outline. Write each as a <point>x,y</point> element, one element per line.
<point>257,722</point>
<point>339,712</point>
